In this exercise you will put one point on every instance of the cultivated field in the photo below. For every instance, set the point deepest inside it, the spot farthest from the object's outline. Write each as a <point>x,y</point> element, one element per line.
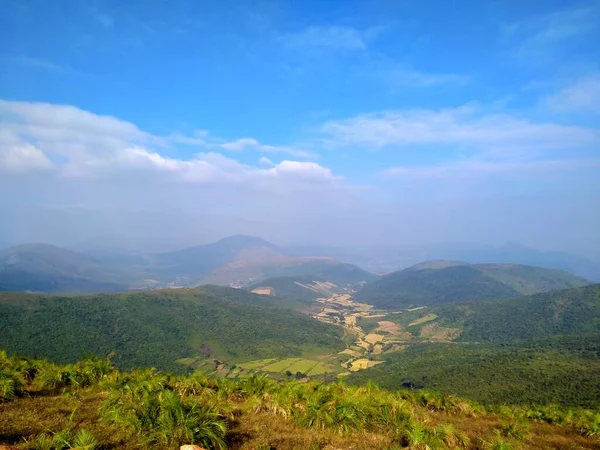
<point>263,291</point>
<point>363,363</point>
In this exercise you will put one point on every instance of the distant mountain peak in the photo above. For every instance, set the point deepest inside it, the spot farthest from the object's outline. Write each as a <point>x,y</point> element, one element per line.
<point>244,240</point>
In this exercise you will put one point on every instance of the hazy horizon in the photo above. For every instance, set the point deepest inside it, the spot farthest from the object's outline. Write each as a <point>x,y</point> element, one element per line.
<point>358,125</point>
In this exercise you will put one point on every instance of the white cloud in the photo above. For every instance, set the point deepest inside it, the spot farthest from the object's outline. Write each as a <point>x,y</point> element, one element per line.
<point>199,138</point>
<point>464,126</point>
<point>22,158</point>
<point>240,144</point>
<point>329,37</point>
<point>482,168</point>
<point>89,146</point>
<point>252,144</point>
<point>265,161</point>
<point>583,96</point>
<point>302,170</point>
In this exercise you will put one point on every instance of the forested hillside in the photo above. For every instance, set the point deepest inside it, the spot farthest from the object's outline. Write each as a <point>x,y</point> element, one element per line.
<point>155,328</point>
<point>537,317</point>
<point>543,348</point>
<point>306,288</point>
<point>428,284</point>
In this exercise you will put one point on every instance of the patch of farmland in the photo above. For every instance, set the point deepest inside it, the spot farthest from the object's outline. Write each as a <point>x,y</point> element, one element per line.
<point>424,319</point>
<point>373,338</point>
<point>234,373</point>
<point>302,366</point>
<point>390,327</point>
<point>263,290</point>
<point>351,352</point>
<point>280,366</point>
<point>318,369</point>
<point>256,364</point>
<point>363,363</point>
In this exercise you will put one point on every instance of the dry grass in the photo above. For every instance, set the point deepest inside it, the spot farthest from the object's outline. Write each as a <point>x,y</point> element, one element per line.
<point>258,431</point>
<point>251,430</point>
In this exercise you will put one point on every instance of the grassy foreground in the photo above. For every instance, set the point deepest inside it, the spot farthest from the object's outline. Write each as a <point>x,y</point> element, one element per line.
<point>92,405</point>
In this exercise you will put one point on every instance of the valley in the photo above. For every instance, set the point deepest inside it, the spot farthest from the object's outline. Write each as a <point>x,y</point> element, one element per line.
<point>308,353</point>
<point>316,319</point>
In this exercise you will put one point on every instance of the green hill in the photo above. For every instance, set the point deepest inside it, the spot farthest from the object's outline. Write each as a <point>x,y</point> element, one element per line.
<point>449,281</point>
<point>156,328</point>
<point>42,267</point>
<point>543,348</point>
<point>568,312</point>
<point>304,288</point>
<point>494,374</point>
<point>245,271</point>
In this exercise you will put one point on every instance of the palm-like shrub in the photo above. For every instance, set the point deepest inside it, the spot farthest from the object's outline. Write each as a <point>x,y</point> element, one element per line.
<point>64,439</point>
<point>161,416</point>
<point>83,439</point>
<point>10,385</point>
<point>419,437</point>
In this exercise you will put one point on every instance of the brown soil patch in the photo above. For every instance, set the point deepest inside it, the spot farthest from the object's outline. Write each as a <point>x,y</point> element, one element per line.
<point>390,327</point>
<point>263,291</point>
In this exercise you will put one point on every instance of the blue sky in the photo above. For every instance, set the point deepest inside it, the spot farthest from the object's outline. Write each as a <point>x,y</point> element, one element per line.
<point>392,120</point>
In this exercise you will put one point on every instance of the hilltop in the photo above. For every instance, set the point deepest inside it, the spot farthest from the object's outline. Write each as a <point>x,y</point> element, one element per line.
<point>435,282</point>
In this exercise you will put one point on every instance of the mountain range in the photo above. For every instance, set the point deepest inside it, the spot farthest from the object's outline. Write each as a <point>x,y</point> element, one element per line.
<point>236,260</point>
<point>390,258</point>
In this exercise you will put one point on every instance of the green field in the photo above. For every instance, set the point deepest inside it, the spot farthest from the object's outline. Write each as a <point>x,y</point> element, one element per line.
<point>258,364</point>
<point>308,367</point>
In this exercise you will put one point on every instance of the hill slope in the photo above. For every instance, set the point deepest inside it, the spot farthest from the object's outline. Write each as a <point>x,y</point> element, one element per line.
<point>195,262</point>
<point>536,317</point>
<point>543,348</point>
<point>41,267</point>
<point>450,281</point>
<point>155,328</point>
<point>303,288</point>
